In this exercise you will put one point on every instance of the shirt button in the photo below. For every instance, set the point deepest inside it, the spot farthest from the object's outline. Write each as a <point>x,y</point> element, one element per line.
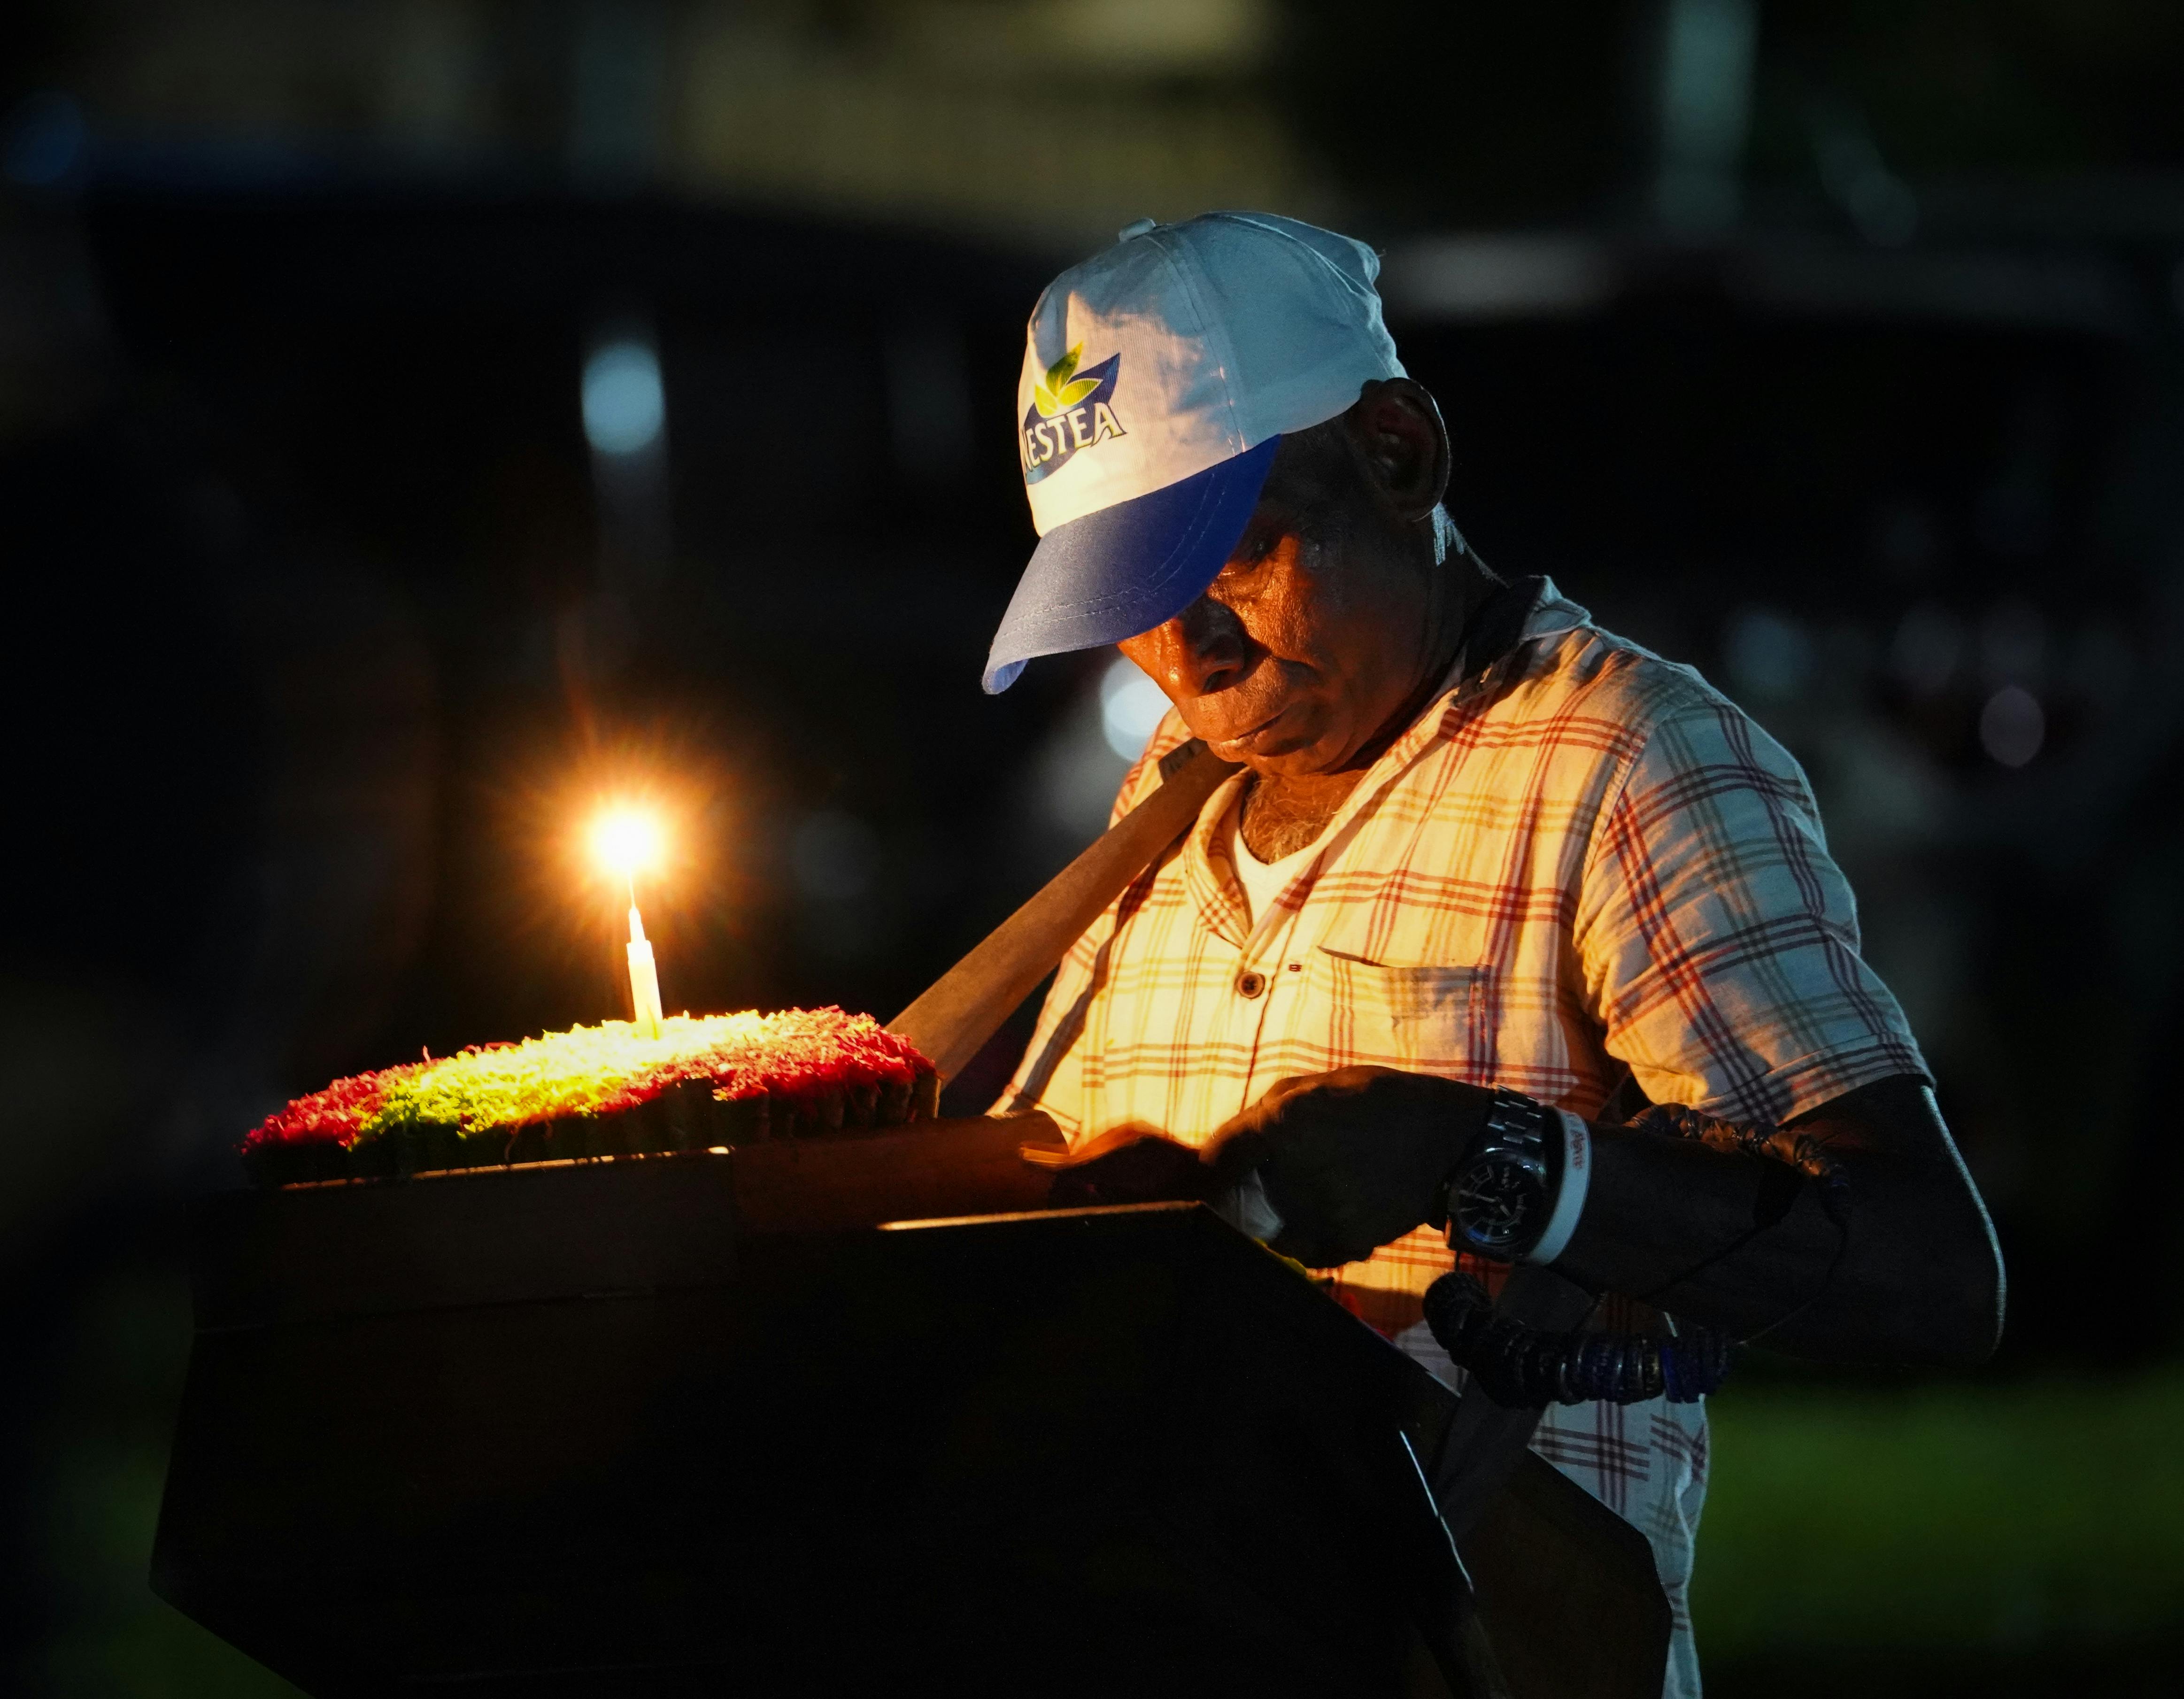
<point>1250,984</point>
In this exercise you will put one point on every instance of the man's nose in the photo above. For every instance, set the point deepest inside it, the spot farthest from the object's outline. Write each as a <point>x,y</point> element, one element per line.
<point>1202,650</point>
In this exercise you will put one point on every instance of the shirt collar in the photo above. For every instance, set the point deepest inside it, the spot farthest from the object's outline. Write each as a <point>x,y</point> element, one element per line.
<point>1502,638</point>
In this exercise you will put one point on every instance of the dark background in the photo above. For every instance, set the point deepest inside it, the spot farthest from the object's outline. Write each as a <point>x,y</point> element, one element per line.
<point>1836,349</point>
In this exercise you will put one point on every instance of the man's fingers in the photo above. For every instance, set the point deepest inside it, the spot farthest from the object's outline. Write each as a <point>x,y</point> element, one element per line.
<point>1114,1141</point>
<point>1288,1086</point>
<point>1233,1154</point>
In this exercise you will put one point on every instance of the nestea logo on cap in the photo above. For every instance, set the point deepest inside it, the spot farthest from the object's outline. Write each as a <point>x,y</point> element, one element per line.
<point>1069,411</point>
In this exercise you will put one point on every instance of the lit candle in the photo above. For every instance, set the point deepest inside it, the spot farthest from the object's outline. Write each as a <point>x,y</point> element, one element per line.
<point>643,978</point>
<point>627,841</point>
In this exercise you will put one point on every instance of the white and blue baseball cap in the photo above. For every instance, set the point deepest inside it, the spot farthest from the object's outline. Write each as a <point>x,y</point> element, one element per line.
<point>1158,378</point>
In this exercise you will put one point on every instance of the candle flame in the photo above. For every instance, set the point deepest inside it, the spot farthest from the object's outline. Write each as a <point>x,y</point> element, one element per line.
<point>627,842</point>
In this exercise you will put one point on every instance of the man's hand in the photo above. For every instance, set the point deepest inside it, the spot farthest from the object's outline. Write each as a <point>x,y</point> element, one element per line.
<point>1351,1159</point>
<point>1124,1164</point>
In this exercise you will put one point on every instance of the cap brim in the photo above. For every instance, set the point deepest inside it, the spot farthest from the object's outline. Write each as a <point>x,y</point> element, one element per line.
<point>1127,568</point>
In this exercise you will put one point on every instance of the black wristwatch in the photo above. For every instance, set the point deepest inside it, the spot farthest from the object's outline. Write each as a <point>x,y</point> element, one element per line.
<point>1499,1195</point>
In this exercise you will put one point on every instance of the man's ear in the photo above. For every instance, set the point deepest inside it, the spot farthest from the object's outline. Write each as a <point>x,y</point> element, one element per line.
<point>1396,427</point>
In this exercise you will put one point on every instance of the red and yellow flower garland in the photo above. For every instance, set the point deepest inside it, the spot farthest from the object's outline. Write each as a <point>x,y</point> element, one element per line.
<point>798,1060</point>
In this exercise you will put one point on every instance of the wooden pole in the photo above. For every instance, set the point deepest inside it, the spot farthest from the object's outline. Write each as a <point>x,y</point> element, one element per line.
<point>966,1006</point>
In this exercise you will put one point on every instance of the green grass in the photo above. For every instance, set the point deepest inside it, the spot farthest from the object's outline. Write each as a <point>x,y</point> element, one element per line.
<point>1963,1517</point>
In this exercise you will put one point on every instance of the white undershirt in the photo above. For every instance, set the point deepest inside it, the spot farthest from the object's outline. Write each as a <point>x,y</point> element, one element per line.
<point>1262,881</point>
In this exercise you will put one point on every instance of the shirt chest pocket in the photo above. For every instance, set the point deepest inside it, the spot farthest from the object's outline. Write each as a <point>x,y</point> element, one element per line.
<point>1431,1019</point>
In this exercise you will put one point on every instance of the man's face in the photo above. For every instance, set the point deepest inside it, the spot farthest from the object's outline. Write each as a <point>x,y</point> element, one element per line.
<point>1314,635</point>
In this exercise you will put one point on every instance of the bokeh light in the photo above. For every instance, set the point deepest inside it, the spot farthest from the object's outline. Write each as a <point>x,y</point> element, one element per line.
<point>1130,706</point>
<point>625,402</point>
<point>2013,726</point>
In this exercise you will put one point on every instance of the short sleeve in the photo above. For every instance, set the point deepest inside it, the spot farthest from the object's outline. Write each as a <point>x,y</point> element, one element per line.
<point>1717,940</point>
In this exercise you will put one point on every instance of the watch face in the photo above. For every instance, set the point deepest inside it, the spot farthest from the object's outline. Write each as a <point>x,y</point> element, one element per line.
<point>1496,1204</point>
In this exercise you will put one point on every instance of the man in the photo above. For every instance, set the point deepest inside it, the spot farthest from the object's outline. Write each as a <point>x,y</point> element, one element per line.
<point>1476,842</point>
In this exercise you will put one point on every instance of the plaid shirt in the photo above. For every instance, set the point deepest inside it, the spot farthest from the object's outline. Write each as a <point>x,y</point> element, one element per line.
<point>1581,863</point>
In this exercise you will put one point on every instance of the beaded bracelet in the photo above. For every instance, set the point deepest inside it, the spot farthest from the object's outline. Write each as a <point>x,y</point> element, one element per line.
<point>1520,1367</point>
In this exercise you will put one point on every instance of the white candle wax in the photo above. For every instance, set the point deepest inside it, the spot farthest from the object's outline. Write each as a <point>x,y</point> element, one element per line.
<point>643,979</point>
